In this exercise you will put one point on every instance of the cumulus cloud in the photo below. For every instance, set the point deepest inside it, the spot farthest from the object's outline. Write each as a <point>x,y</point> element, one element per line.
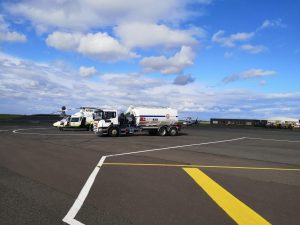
<point>254,49</point>
<point>248,74</point>
<point>104,47</point>
<point>83,15</point>
<point>8,35</point>
<point>145,35</point>
<point>230,41</point>
<point>173,65</point>
<point>87,71</point>
<point>98,45</point>
<point>64,41</point>
<point>183,79</point>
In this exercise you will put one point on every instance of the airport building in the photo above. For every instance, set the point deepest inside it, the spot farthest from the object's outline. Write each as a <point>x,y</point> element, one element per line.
<point>237,122</point>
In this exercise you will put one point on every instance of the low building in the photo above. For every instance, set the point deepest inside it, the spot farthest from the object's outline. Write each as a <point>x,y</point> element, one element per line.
<point>238,122</point>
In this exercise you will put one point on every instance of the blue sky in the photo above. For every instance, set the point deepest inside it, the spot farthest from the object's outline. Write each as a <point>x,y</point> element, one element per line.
<point>207,58</point>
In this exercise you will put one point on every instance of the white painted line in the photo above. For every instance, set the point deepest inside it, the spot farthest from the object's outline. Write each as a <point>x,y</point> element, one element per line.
<point>270,139</point>
<point>39,128</point>
<point>72,221</point>
<point>3,130</point>
<point>70,217</point>
<point>17,131</point>
<point>174,147</point>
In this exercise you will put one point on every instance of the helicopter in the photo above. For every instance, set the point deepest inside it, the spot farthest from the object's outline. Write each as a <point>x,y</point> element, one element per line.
<point>189,121</point>
<point>82,119</point>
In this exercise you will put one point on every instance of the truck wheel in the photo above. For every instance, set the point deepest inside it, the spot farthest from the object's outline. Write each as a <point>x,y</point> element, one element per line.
<point>113,132</point>
<point>173,131</point>
<point>162,131</point>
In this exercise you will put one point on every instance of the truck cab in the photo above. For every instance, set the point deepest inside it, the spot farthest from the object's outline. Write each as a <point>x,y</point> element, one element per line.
<point>104,121</point>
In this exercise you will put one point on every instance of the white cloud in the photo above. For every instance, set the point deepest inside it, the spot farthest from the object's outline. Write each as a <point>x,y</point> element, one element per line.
<point>257,73</point>
<point>234,40</point>
<point>63,40</point>
<point>248,74</point>
<point>173,65</point>
<point>104,47</point>
<point>254,49</point>
<point>272,23</point>
<point>7,35</point>
<point>83,15</point>
<point>230,41</point>
<point>87,71</point>
<point>145,35</point>
<point>98,45</point>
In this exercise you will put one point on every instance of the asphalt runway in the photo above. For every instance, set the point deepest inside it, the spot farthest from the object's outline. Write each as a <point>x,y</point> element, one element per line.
<point>205,176</point>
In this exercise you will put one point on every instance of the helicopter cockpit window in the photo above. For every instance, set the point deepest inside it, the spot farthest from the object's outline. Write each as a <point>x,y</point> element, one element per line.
<point>75,119</point>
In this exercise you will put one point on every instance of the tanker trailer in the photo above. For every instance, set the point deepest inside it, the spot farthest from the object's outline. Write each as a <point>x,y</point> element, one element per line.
<point>155,120</point>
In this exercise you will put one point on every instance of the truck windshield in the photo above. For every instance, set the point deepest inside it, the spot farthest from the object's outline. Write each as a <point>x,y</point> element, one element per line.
<point>98,115</point>
<point>75,119</point>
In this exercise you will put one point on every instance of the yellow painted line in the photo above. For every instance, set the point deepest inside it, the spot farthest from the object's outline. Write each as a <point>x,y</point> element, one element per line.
<point>200,166</point>
<point>237,210</point>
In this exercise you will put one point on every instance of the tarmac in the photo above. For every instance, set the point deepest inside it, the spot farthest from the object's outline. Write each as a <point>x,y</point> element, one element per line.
<point>206,175</point>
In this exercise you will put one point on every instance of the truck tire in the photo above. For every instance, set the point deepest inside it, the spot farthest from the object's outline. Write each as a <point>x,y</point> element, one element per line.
<point>113,132</point>
<point>162,131</point>
<point>173,131</point>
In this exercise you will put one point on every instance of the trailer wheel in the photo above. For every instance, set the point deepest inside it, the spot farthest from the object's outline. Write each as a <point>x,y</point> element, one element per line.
<point>162,131</point>
<point>113,132</point>
<point>173,131</point>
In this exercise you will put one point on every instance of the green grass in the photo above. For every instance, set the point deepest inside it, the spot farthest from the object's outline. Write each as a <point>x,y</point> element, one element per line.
<point>9,116</point>
<point>204,123</point>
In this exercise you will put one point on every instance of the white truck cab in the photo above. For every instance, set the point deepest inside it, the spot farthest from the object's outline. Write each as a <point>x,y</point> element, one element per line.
<point>104,120</point>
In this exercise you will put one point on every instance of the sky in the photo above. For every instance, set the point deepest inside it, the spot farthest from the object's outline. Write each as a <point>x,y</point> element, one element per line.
<point>206,58</point>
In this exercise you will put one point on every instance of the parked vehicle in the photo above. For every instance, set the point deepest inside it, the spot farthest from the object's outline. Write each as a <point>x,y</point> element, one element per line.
<point>283,123</point>
<point>81,119</point>
<point>155,120</point>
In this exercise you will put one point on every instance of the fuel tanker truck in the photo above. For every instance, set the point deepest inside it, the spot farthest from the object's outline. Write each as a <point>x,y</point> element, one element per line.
<point>154,120</point>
